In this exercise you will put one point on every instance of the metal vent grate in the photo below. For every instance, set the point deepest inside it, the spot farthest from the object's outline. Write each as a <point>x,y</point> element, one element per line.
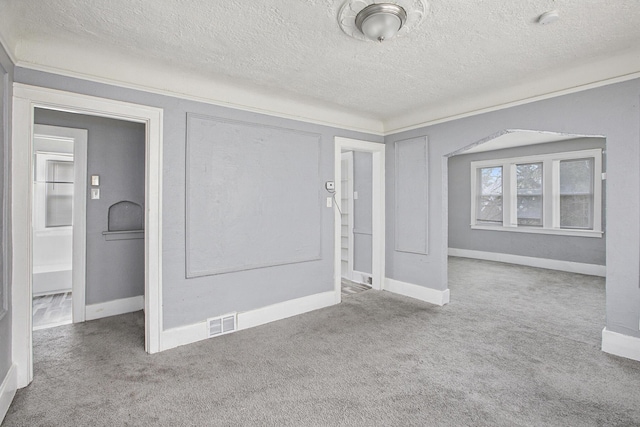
<point>222,325</point>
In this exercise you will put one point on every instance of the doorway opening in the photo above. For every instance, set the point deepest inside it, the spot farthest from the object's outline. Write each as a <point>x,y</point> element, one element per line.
<point>356,204</point>
<point>27,99</point>
<point>359,216</point>
<point>527,198</point>
<point>58,226</point>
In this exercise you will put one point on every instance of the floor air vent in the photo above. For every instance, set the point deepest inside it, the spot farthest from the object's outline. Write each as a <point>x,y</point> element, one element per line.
<point>222,325</point>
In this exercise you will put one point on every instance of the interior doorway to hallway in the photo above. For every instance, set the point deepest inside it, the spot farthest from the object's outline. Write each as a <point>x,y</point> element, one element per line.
<point>356,205</point>
<point>359,216</point>
<point>26,100</point>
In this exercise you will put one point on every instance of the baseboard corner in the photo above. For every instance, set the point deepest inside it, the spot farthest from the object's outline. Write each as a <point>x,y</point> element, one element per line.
<point>114,308</point>
<point>8,390</point>
<point>620,344</point>
<point>430,295</point>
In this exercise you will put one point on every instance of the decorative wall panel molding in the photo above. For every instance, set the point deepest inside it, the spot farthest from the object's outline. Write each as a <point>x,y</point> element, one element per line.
<point>253,196</point>
<point>411,193</point>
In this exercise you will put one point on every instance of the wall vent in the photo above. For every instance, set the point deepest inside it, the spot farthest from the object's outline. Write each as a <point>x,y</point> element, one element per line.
<point>222,325</point>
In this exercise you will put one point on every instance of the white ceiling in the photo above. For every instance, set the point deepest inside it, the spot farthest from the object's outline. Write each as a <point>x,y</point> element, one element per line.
<point>290,57</point>
<point>511,138</point>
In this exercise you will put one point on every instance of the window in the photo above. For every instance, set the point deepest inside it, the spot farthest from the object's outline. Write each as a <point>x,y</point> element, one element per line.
<point>556,193</point>
<point>53,191</point>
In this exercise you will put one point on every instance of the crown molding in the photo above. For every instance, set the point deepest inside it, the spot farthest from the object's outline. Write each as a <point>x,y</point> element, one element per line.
<point>122,73</point>
<point>120,70</point>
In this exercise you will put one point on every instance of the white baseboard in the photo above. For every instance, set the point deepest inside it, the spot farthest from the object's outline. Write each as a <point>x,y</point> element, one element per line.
<point>422,293</point>
<point>550,264</point>
<point>360,277</point>
<point>195,332</point>
<point>8,390</point>
<point>621,345</point>
<point>113,308</point>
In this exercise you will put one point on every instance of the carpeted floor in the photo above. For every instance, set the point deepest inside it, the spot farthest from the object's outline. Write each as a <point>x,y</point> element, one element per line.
<point>516,346</point>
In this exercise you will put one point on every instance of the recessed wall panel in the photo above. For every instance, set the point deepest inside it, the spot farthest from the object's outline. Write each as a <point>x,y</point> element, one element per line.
<point>253,196</point>
<point>412,183</point>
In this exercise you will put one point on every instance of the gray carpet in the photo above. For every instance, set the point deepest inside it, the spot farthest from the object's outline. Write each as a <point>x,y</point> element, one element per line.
<point>516,346</point>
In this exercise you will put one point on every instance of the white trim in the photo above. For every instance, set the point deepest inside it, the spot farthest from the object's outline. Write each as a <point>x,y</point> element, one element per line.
<point>395,125</point>
<point>25,99</point>
<point>195,332</point>
<point>115,307</point>
<point>282,310</point>
<point>620,345</point>
<point>540,230</point>
<point>422,293</point>
<point>215,93</point>
<point>348,156</point>
<point>549,264</point>
<point>8,391</point>
<point>303,112</point>
<point>78,267</point>
<point>378,210</point>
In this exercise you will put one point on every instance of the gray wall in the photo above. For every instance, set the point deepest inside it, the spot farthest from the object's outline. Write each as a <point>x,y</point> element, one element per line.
<point>190,300</point>
<point>461,236</point>
<point>611,111</point>
<point>115,152</point>
<point>6,93</point>
<point>362,211</point>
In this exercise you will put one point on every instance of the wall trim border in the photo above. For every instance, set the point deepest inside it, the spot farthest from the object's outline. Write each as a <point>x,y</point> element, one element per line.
<point>422,293</point>
<point>620,344</point>
<point>195,332</point>
<point>8,390</point>
<point>549,264</point>
<point>113,308</point>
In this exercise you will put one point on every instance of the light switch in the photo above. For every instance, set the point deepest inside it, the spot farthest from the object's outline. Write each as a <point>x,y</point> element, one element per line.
<point>329,202</point>
<point>95,193</point>
<point>355,195</point>
<point>95,179</point>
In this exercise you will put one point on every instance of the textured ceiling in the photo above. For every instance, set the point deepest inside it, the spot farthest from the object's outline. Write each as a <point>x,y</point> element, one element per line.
<point>469,54</point>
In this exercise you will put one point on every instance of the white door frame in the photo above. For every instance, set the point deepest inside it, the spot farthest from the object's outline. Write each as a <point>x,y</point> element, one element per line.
<point>79,239</point>
<point>378,212</point>
<point>25,99</point>
<point>348,156</point>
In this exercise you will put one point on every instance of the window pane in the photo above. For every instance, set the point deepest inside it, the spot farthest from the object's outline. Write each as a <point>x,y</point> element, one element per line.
<point>59,193</point>
<point>529,185</point>
<point>59,205</point>
<point>576,193</point>
<point>489,199</point>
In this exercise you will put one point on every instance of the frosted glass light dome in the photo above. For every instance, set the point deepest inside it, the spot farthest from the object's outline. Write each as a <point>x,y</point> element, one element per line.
<point>381,21</point>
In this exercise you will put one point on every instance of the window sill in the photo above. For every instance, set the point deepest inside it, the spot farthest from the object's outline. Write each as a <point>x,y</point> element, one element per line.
<point>123,235</point>
<point>555,231</point>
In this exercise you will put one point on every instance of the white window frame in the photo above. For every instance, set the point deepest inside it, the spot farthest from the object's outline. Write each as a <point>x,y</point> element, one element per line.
<point>551,193</point>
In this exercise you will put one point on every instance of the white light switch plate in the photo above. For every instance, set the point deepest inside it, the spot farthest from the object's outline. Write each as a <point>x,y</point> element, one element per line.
<point>329,202</point>
<point>95,179</point>
<point>95,193</point>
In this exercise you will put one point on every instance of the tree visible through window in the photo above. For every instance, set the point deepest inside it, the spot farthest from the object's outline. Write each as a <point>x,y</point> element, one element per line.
<point>576,193</point>
<point>489,206</point>
<point>529,185</point>
<point>556,193</point>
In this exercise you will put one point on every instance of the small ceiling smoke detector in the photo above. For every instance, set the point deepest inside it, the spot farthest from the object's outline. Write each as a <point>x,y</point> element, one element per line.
<point>370,21</point>
<point>548,17</point>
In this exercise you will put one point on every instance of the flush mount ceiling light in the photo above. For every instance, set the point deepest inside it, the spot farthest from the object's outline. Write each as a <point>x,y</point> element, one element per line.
<point>370,21</point>
<point>381,21</point>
